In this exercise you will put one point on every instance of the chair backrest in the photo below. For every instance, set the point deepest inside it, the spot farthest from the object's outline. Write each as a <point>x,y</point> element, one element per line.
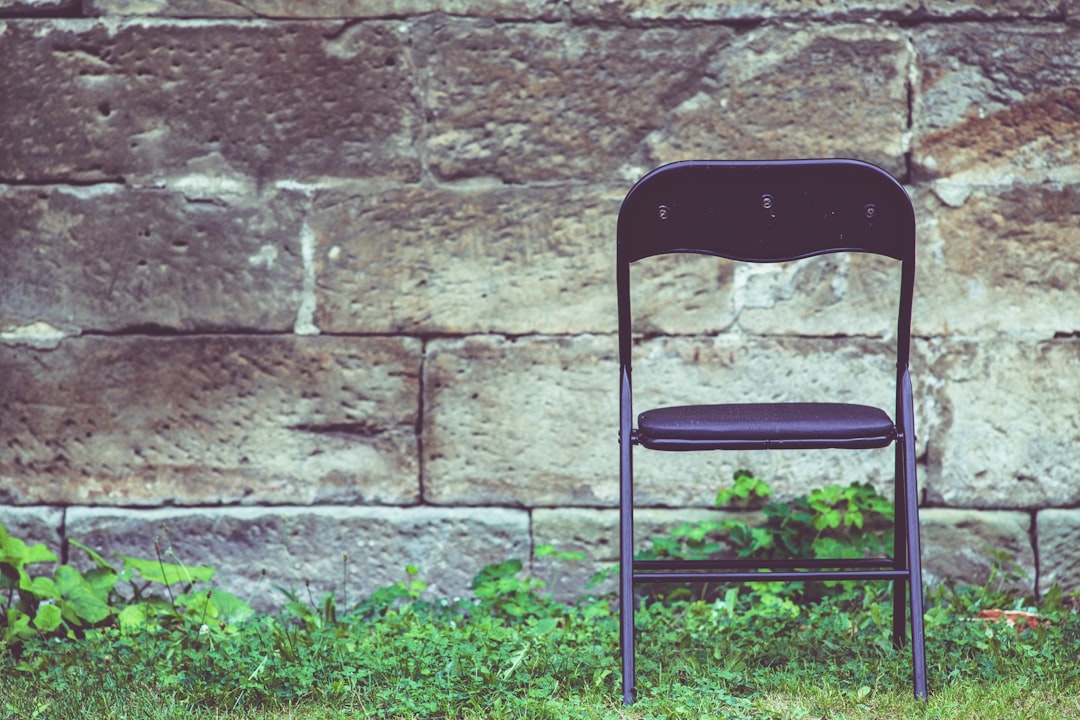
<point>767,211</point>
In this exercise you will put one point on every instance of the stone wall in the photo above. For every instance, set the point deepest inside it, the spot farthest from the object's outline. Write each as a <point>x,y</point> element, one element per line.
<point>286,280</point>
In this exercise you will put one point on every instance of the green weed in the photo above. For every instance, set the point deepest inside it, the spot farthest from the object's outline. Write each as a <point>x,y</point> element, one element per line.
<point>143,595</point>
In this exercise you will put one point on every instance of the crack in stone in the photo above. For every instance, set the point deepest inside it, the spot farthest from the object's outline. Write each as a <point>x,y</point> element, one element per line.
<point>358,428</point>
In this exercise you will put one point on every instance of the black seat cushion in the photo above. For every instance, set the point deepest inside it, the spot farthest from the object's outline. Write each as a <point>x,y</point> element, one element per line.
<point>763,424</point>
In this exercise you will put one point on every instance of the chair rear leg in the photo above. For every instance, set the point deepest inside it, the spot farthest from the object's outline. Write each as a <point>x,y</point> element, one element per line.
<point>914,549</point>
<point>918,639</point>
<point>900,552</point>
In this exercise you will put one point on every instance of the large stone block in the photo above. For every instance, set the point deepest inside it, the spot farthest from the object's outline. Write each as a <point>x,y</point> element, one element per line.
<point>33,525</point>
<point>605,10</point>
<point>737,10</point>
<point>497,259</point>
<point>529,102</point>
<point>999,260</point>
<point>1006,430</point>
<point>686,294</point>
<point>520,422</point>
<point>535,422</point>
<point>561,97</point>
<point>997,103</point>
<point>994,9</point>
<point>595,534</point>
<point>38,7</point>
<point>255,549</point>
<point>111,258</point>
<point>959,546</point>
<point>458,260</point>
<point>842,294</point>
<point>156,102</point>
<point>782,92</point>
<point>1059,541</point>
<point>209,420</point>
<point>502,9</point>
<point>505,260</point>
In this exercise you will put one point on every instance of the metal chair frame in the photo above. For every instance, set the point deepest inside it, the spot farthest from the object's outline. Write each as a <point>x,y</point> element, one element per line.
<point>772,211</point>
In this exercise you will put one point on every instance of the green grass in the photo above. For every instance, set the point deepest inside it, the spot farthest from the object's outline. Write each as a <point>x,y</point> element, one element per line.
<point>752,654</point>
<point>150,641</point>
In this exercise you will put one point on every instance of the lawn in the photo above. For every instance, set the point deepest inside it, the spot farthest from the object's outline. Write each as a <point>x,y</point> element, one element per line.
<point>514,653</point>
<point>153,640</point>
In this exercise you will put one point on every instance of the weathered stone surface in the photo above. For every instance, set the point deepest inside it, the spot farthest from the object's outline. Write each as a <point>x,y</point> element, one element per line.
<point>595,534</point>
<point>998,104</point>
<point>540,260</point>
<point>1059,542</point>
<point>972,9</point>
<point>621,12</point>
<point>110,258</point>
<point>254,549</point>
<point>527,102</point>
<point>508,260</point>
<point>999,260</point>
<point>520,422</point>
<point>208,420</point>
<point>34,525</point>
<point>535,421</point>
<point>303,164</point>
<point>503,9</point>
<point>496,260</point>
<point>697,96</point>
<point>37,7</point>
<point>711,10</point>
<point>149,101</point>
<point>1007,428</point>
<point>842,294</point>
<point>959,546</point>
<point>784,92</point>
<point>685,294</point>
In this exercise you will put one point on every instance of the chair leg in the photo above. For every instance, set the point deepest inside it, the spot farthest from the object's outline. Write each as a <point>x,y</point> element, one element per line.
<point>626,644</point>
<point>899,613</point>
<point>914,548</point>
<point>914,554</point>
<point>626,572</point>
<point>900,552</point>
<point>918,639</point>
<point>626,619</point>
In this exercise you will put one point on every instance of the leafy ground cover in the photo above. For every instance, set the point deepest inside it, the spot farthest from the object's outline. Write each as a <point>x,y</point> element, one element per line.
<point>152,640</point>
<point>726,658</point>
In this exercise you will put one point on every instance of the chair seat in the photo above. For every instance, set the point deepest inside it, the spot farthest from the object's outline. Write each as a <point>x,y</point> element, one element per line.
<point>765,425</point>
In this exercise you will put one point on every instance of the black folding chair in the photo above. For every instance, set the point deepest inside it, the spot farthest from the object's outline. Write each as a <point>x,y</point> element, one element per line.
<point>772,212</point>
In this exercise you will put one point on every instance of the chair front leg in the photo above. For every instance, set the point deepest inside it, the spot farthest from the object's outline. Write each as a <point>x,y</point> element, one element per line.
<point>626,570</point>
